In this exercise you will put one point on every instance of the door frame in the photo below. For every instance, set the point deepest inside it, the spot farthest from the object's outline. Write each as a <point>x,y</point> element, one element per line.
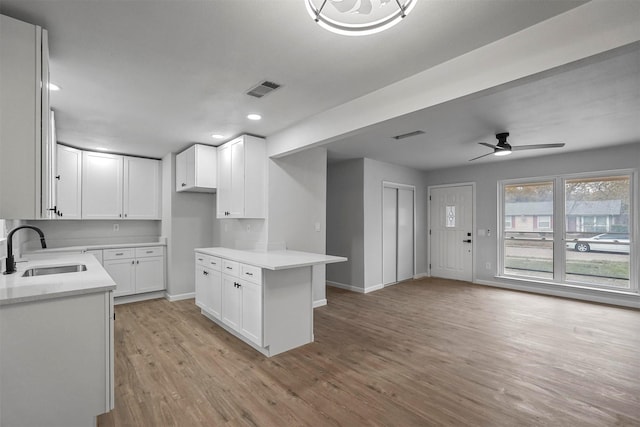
<point>396,185</point>
<point>473,223</point>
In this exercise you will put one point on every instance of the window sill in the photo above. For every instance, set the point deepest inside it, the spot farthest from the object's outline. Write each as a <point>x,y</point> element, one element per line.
<point>568,285</point>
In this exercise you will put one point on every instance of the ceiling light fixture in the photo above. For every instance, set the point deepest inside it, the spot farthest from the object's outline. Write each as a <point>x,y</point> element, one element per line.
<point>217,136</point>
<point>358,17</point>
<point>502,152</point>
<point>254,117</point>
<point>54,87</point>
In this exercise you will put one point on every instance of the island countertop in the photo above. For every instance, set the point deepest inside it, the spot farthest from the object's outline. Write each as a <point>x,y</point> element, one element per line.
<point>17,289</point>
<point>271,260</point>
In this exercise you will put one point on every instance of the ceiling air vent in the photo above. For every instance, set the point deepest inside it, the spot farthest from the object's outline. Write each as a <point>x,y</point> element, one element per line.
<point>263,88</point>
<point>408,135</point>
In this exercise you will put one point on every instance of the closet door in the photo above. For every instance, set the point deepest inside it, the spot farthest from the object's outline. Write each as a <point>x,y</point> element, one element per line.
<point>389,234</point>
<point>398,233</point>
<point>405,242</point>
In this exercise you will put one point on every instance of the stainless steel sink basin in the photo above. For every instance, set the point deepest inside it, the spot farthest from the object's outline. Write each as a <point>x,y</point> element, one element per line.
<point>58,269</point>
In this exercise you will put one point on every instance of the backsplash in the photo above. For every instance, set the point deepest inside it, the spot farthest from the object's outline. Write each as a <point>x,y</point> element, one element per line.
<point>82,233</point>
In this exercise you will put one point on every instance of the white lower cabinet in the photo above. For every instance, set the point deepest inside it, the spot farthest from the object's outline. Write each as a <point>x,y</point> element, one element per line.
<point>209,285</point>
<point>222,293</point>
<point>135,270</point>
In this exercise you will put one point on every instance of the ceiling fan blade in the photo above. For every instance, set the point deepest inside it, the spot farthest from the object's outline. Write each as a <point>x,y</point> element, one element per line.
<point>536,146</point>
<point>486,144</point>
<point>479,157</point>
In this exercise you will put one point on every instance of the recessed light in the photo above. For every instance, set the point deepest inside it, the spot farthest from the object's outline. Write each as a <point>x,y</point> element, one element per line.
<point>254,117</point>
<point>54,87</point>
<point>217,136</point>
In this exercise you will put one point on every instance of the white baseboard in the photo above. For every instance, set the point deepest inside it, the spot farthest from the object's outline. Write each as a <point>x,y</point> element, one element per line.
<point>178,297</point>
<point>320,303</point>
<point>584,294</point>
<point>139,297</point>
<point>421,275</point>
<point>355,288</point>
<point>347,287</point>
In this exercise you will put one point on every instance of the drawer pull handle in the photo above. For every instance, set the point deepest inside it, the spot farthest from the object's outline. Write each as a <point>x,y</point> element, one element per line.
<point>214,263</point>
<point>229,268</point>
<point>149,252</point>
<point>119,254</point>
<point>249,274</point>
<point>206,273</point>
<point>199,259</point>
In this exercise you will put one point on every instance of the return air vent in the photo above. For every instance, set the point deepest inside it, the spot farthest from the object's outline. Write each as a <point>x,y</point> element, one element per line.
<point>408,135</point>
<point>262,89</point>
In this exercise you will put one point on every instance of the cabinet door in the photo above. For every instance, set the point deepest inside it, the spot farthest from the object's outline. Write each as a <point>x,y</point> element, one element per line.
<point>149,274</point>
<point>141,188</point>
<point>224,181</point>
<point>69,182</point>
<point>251,311</point>
<point>214,296</point>
<point>237,179</point>
<point>231,302</point>
<point>101,186</point>
<point>202,287</point>
<point>122,271</point>
<point>181,171</point>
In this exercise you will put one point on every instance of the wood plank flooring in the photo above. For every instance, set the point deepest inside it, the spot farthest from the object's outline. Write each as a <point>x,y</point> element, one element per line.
<point>420,353</point>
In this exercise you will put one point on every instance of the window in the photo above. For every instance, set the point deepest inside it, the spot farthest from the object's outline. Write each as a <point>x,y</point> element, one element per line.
<point>569,230</point>
<point>526,251</point>
<point>544,222</point>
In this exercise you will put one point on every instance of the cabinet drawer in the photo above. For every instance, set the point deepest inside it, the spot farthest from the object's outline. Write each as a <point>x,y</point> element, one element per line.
<point>108,254</point>
<point>148,252</point>
<point>202,259</point>
<point>230,267</point>
<point>251,273</point>
<point>211,262</point>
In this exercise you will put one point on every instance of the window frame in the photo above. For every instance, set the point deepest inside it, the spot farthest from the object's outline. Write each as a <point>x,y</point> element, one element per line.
<point>558,226</point>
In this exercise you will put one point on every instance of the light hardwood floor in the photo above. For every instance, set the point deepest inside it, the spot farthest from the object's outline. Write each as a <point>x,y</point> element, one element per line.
<point>420,353</point>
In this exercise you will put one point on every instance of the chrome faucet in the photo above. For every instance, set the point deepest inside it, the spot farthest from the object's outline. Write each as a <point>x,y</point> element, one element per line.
<point>11,264</point>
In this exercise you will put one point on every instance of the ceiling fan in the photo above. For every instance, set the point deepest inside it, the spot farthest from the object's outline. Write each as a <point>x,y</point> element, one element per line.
<point>503,148</point>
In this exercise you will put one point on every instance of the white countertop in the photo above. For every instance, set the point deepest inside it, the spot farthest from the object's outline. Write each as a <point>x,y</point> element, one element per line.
<point>271,260</point>
<point>17,289</point>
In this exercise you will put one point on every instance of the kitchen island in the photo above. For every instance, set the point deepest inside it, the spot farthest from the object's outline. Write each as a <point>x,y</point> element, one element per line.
<point>265,298</point>
<point>56,342</point>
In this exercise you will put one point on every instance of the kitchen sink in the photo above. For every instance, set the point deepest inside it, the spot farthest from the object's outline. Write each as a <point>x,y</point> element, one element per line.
<point>58,269</point>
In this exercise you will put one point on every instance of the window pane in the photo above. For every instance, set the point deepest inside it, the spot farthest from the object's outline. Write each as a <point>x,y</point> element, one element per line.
<point>597,213</point>
<point>527,230</point>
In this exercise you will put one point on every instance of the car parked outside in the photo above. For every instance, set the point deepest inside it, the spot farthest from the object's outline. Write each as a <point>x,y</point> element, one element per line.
<point>607,242</point>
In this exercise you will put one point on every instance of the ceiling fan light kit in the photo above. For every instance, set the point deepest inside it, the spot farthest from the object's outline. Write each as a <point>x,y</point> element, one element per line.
<point>503,148</point>
<point>358,17</point>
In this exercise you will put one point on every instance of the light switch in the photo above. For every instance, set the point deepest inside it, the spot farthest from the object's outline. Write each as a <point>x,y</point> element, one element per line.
<point>317,227</point>
<point>481,232</point>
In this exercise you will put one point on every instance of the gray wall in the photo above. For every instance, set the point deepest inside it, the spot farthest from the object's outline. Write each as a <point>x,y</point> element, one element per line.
<point>345,221</point>
<point>187,223</point>
<point>297,203</point>
<point>375,173</point>
<point>486,177</point>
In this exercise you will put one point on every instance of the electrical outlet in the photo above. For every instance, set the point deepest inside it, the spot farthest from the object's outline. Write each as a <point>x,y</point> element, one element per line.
<point>248,228</point>
<point>116,227</point>
<point>317,227</point>
<point>487,266</point>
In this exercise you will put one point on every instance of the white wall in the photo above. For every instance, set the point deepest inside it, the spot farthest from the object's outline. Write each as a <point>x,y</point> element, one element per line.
<point>188,220</point>
<point>297,203</point>
<point>61,233</point>
<point>486,177</point>
<point>345,222</point>
<point>375,173</point>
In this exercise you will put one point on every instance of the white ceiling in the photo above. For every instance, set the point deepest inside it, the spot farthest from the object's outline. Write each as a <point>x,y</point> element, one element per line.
<point>147,77</point>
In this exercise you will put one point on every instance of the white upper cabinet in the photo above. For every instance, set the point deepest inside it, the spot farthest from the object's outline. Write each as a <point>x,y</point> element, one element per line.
<point>101,186</point>
<point>69,182</point>
<point>242,167</point>
<point>141,188</point>
<point>196,169</point>
<point>24,129</point>
<point>120,187</point>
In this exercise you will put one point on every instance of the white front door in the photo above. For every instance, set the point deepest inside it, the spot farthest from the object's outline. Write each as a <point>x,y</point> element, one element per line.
<point>451,229</point>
